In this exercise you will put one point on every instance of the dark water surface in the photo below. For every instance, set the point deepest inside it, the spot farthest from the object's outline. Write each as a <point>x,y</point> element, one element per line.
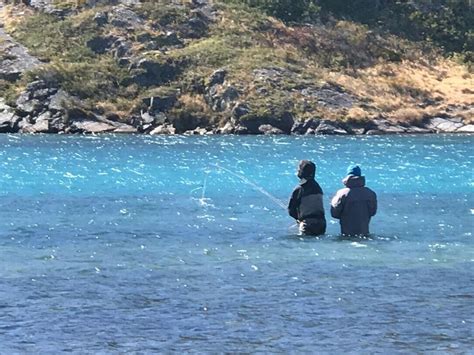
<point>141,244</point>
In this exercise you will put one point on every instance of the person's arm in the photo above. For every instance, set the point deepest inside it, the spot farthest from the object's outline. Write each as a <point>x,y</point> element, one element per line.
<point>373,204</point>
<point>337,204</point>
<point>294,203</point>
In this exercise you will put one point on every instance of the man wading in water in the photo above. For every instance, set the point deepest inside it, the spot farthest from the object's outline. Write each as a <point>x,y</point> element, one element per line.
<point>355,204</point>
<point>306,202</point>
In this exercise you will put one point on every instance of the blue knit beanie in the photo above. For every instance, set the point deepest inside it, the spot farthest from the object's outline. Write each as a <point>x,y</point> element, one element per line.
<point>354,170</point>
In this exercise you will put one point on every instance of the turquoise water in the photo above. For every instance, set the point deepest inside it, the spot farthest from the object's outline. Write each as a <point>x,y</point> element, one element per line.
<point>142,244</point>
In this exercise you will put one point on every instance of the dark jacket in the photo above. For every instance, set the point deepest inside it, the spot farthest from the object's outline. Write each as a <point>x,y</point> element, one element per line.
<point>306,205</point>
<point>354,206</point>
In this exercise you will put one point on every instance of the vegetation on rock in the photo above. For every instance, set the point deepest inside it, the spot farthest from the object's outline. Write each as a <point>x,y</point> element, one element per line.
<point>282,61</point>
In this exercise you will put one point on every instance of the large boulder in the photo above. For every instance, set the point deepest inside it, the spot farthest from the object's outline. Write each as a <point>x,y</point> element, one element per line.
<point>268,129</point>
<point>101,18</point>
<point>124,17</point>
<point>161,41</point>
<point>221,98</point>
<point>160,102</point>
<point>330,128</point>
<point>240,109</point>
<point>121,49</point>
<point>228,128</point>
<point>217,77</point>
<point>41,126</point>
<point>87,126</point>
<point>59,101</point>
<point>8,122</point>
<point>330,96</point>
<point>469,128</point>
<point>101,44</point>
<point>272,75</point>
<point>164,129</point>
<point>196,27</point>
<point>281,120</point>
<point>445,124</point>
<point>14,58</point>
<point>148,72</point>
<point>302,127</point>
<point>125,128</point>
<point>383,126</point>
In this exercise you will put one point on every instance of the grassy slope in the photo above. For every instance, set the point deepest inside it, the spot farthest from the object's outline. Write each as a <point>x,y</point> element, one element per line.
<point>398,79</point>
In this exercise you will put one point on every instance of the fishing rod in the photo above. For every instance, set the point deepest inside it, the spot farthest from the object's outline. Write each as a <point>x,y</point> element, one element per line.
<point>254,185</point>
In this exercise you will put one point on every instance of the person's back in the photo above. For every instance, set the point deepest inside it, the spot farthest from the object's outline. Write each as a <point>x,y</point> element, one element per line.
<point>306,202</point>
<point>354,205</point>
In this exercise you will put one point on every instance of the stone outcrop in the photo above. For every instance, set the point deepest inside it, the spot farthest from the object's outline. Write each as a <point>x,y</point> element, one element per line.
<point>147,72</point>
<point>14,58</point>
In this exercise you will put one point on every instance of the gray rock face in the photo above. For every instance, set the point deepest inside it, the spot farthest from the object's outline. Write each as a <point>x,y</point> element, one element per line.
<point>449,127</point>
<point>91,127</point>
<point>221,98</point>
<point>130,2</point>
<point>217,77</point>
<point>124,128</point>
<point>329,127</point>
<point>101,45</point>
<point>310,126</point>
<point>228,128</point>
<point>101,18</point>
<point>240,109</point>
<point>386,127</point>
<point>121,49</point>
<point>195,28</point>
<point>58,101</point>
<point>8,121</point>
<point>268,129</point>
<point>39,127</point>
<point>440,124</point>
<point>160,103</point>
<point>124,17</point>
<point>330,96</point>
<point>418,130</point>
<point>47,6</point>
<point>252,122</point>
<point>162,41</point>
<point>198,131</point>
<point>148,72</point>
<point>271,74</point>
<point>14,58</point>
<point>164,129</point>
<point>466,129</point>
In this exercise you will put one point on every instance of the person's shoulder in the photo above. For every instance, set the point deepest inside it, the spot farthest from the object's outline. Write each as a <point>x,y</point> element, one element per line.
<point>297,188</point>
<point>343,191</point>
<point>369,190</point>
<point>316,186</point>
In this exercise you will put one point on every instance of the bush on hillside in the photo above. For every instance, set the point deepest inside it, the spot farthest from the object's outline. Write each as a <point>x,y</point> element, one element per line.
<point>286,10</point>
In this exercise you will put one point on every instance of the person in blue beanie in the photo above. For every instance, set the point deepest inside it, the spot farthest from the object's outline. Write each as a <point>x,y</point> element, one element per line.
<point>355,204</point>
<point>306,202</point>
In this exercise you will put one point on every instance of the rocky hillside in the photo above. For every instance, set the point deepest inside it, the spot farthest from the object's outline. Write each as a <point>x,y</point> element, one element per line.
<point>204,67</point>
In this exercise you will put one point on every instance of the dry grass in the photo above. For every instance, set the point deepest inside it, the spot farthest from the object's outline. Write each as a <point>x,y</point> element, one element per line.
<point>194,102</point>
<point>358,114</point>
<point>399,89</point>
<point>12,15</point>
<point>407,115</point>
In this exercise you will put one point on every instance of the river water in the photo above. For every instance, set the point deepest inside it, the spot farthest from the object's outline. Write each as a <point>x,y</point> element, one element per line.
<point>141,244</point>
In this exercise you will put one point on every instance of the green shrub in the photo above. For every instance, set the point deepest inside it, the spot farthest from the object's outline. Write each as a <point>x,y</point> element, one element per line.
<point>95,80</point>
<point>50,38</point>
<point>286,10</point>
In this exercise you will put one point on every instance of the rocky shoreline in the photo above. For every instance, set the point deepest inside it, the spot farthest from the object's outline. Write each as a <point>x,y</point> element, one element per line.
<point>44,109</point>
